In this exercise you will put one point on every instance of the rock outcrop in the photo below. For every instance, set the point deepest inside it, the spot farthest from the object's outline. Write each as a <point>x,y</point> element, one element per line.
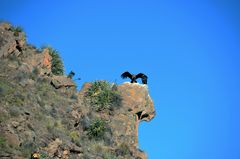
<point>62,82</point>
<point>136,106</point>
<point>39,113</point>
<point>137,103</point>
<point>10,42</point>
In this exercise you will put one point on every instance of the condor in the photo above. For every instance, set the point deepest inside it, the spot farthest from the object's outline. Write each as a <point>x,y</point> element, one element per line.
<point>135,77</point>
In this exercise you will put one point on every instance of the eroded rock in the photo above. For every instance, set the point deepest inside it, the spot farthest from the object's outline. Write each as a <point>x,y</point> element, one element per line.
<point>136,106</point>
<point>53,147</point>
<point>62,82</point>
<point>9,43</point>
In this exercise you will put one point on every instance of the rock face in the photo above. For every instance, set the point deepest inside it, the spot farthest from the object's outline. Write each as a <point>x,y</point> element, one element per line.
<point>41,61</point>
<point>39,113</point>
<point>10,43</point>
<point>137,106</point>
<point>13,45</point>
<point>62,82</point>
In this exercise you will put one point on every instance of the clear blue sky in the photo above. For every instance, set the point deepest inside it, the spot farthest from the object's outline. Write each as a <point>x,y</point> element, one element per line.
<point>190,51</point>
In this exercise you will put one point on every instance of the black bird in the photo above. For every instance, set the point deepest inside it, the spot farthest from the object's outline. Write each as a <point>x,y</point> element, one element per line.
<point>135,77</point>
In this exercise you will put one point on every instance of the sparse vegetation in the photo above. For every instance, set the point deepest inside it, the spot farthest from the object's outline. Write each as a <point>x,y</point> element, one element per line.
<point>74,135</point>
<point>109,155</point>
<point>21,76</point>
<point>102,95</point>
<point>13,57</point>
<point>3,117</point>
<point>123,150</point>
<point>14,111</point>
<point>5,88</point>
<point>47,93</point>
<point>36,71</point>
<point>27,148</point>
<point>2,141</point>
<point>16,30</point>
<point>97,128</point>
<point>74,97</point>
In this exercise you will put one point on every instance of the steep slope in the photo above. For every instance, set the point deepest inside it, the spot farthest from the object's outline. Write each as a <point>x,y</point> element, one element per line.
<point>43,113</point>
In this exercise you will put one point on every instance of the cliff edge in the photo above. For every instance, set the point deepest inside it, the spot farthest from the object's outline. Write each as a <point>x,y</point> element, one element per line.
<point>43,115</point>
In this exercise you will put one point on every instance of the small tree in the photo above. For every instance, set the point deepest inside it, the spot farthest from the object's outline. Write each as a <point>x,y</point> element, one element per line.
<point>71,74</point>
<point>97,128</point>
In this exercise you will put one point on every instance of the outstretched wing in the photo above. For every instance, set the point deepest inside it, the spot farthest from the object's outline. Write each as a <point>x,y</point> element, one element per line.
<point>126,74</point>
<point>143,77</point>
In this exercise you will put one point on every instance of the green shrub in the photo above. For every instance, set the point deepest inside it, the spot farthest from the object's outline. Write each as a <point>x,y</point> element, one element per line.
<point>109,155</point>
<point>74,135</point>
<point>16,30</point>
<point>27,148</point>
<point>44,155</point>
<point>102,95</point>
<point>16,99</point>
<point>13,57</point>
<point>57,63</point>
<point>2,141</point>
<point>3,117</point>
<point>97,147</point>
<point>74,97</point>
<point>5,89</point>
<point>21,76</point>
<point>123,150</point>
<point>1,90</point>
<point>97,128</point>
<point>14,111</point>
<point>35,72</point>
<point>26,152</point>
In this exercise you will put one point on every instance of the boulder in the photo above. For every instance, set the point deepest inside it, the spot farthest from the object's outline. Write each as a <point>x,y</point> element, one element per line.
<point>62,82</point>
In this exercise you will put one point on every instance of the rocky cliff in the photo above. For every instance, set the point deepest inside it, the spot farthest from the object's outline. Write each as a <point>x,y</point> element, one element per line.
<point>42,115</point>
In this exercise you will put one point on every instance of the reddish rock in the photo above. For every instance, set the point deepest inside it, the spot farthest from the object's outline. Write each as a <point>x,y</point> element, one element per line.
<point>65,154</point>
<point>136,106</point>
<point>14,45</point>
<point>12,139</point>
<point>53,147</point>
<point>62,82</point>
<point>40,61</point>
<point>137,99</point>
<point>10,44</point>
<point>46,59</point>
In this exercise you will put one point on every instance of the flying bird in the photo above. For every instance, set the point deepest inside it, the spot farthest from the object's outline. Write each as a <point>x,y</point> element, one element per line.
<point>135,77</point>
